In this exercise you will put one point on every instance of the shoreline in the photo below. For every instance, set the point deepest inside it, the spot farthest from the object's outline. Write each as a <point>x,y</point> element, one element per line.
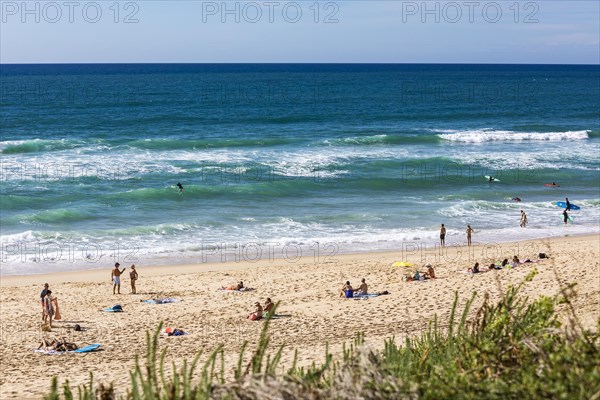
<point>100,274</point>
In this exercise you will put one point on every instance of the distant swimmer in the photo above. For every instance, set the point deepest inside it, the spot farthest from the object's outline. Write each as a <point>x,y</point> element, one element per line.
<point>553,184</point>
<point>517,199</point>
<point>180,186</point>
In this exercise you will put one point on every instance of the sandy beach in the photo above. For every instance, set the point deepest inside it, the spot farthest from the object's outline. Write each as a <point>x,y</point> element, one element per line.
<point>312,314</point>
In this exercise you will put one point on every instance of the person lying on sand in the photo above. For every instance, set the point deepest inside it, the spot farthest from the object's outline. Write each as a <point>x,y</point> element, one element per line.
<point>515,262</point>
<point>347,290</point>
<point>57,345</point>
<point>475,269</point>
<point>258,312</point>
<point>363,289</point>
<point>234,287</point>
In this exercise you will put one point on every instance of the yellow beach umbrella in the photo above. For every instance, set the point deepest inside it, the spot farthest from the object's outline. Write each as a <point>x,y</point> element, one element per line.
<point>401,264</point>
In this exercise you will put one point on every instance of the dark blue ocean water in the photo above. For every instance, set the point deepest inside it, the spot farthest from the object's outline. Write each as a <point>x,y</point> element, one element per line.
<point>281,160</point>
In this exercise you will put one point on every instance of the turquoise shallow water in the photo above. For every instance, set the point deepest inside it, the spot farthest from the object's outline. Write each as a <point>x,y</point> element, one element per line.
<point>281,160</point>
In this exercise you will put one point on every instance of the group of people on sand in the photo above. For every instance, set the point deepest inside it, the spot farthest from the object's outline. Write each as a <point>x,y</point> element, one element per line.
<point>260,311</point>
<point>115,278</point>
<point>495,266</point>
<point>348,291</point>
<point>421,275</point>
<point>57,345</point>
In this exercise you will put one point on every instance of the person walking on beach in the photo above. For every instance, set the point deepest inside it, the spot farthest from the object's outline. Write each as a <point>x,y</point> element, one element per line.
<point>115,277</point>
<point>42,295</point>
<point>133,276</point>
<point>443,236</point>
<point>523,223</point>
<point>469,232</point>
<point>565,216</point>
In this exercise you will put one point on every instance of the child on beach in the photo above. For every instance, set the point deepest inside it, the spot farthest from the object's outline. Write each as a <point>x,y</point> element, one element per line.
<point>133,276</point>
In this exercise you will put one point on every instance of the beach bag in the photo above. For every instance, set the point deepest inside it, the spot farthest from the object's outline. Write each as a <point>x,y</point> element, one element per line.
<point>57,315</point>
<point>117,307</point>
<point>542,255</point>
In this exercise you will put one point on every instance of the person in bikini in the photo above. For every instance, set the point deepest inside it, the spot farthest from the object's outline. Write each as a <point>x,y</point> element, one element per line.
<point>257,313</point>
<point>133,276</point>
<point>346,290</point>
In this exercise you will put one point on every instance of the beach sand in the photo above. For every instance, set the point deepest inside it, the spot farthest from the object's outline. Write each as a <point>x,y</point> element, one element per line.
<point>308,289</point>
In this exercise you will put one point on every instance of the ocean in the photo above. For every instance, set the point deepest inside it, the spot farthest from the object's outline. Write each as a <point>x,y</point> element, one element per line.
<point>283,160</point>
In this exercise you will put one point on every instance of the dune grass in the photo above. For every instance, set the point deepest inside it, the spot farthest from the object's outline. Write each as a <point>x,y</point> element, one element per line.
<point>512,349</point>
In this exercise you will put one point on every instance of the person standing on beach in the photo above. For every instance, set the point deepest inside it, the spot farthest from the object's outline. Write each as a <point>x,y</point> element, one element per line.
<point>133,276</point>
<point>42,295</point>
<point>48,308</point>
<point>469,232</point>
<point>565,216</point>
<point>523,223</point>
<point>443,236</point>
<point>115,277</point>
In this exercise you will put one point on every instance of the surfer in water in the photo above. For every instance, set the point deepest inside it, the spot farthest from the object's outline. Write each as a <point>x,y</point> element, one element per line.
<point>517,199</point>
<point>492,179</point>
<point>568,208</point>
<point>180,186</point>
<point>565,216</point>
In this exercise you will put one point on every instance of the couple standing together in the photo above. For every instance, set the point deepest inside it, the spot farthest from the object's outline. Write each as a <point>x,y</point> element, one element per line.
<point>115,277</point>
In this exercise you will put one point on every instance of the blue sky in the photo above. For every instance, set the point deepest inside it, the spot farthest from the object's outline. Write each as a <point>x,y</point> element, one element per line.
<point>279,31</point>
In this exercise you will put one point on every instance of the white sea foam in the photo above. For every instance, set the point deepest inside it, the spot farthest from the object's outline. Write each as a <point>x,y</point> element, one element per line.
<point>491,135</point>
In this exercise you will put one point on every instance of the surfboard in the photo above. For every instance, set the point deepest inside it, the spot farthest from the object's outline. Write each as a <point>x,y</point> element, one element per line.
<point>551,185</point>
<point>562,204</point>
<point>488,179</point>
<point>88,348</point>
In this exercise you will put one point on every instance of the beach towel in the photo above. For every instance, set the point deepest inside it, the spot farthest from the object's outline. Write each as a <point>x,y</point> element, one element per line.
<point>161,301</point>
<point>57,315</point>
<point>365,296</point>
<point>115,308</point>
<point>239,290</point>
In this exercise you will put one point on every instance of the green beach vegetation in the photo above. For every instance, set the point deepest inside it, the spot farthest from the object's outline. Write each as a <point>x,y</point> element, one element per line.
<point>515,348</point>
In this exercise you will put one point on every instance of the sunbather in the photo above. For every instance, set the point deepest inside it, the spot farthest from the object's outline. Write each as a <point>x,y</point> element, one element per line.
<point>234,287</point>
<point>57,345</point>
<point>363,289</point>
<point>268,308</point>
<point>475,268</point>
<point>258,312</point>
<point>515,262</point>
<point>430,272</point>
<point>347,290</point>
